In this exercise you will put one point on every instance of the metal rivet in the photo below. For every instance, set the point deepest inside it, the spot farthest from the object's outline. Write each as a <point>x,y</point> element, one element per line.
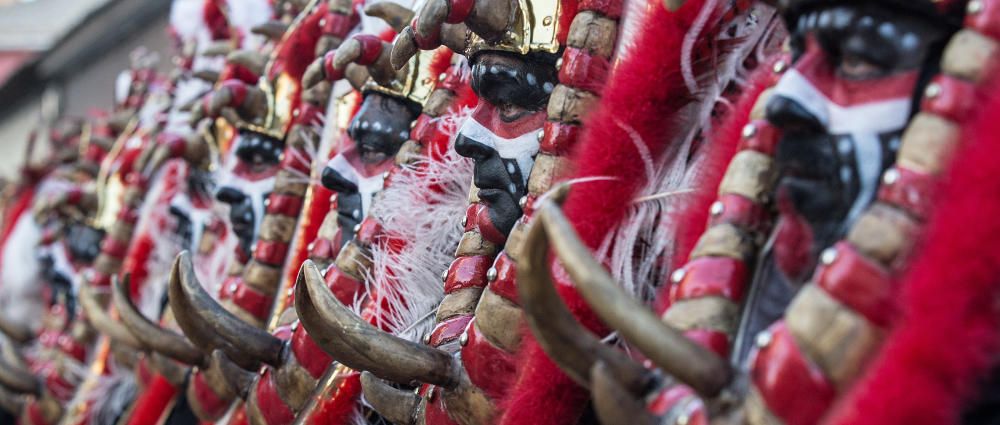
<point>267,202</point>
<point>444,276</point>
<point>717,208</point>
<point>932,91</point>
<point>232,287</point>
<point>890,177</point>
<point>491,274</point>
<point>763,339</point>
<point>683,419</point>
<point>974,7</point>
<point>749,131</point>
<point>290,292</point>
<point>547,21</point>
<point>540,135</point>
<point>262,370</point>
<point>678,275</point>
<point>385,175</point>
<point>322,22</point>
<point>357,228</point>
<point>311,246</point>
<point>780,67</point>
<point>465,221</point>
<point>295,326</point>
<point>413,124</point>
<point>828,256</point>
<point>559,63</point>
<point>442,76</point>
<point>523,202</point>
<point>426,339</point>
<point>463,339</point>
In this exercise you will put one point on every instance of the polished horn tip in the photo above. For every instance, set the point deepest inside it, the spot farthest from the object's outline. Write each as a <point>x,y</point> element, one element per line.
<point>614,404</point>
<point>403,48</point>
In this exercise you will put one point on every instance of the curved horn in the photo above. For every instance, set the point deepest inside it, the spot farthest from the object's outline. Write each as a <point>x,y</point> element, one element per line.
<point>359,345</point>
<point>15,375</point>
<point>696,366</point>
<point>250,340</point>
<point>405,46</point>
<point>574,348</point>
<point>613,403</point>
<point>15,331</point>
<point>252,61</point>
<point>148,333</point>
<point>394,14</point>
<point>273,29</point>
<point>238,379</point>
<point>396,405</point>
<point>206,75</point>
<point>103,321</point>
<point>217,48</point>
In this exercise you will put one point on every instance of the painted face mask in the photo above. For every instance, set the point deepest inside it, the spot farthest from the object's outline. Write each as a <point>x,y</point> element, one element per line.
<point>247,182</point>
<point>842,110</point>
<point>501,136</point>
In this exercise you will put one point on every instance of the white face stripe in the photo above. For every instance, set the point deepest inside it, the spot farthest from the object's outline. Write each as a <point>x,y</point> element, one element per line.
<point>875,117</point>
<point>522,148</point>
<point>367,186</point>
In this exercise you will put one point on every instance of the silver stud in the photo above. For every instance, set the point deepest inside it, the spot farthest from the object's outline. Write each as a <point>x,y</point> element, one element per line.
<point>749,131</point>
<point>763,339</point>
<point>540,135</point>
<point>413,124</point>
<point>357,228</point>
<point>442,76</point>
<point>385,175</point>
<point>717,208</point>
<point>683,419</point>
<point>465,221</point>
<point>678,275</point>
<point>267,202</point>
<point>444,276</point>
<point>333,198</point>
<point>932,91</point>
<point>463,339</point>
<point>262,370</point>
<point>780,67</point>
<point>311,246</point>
<point>890,177</point>
<point>559,63</point>
<point>491,274</point>
<point>322,22</point>
<point>295,326</point>
<point>974,7</point>
<point>828,256</point>
<point>232,287</point>
<point>523,202</point>
<point>426,339</point>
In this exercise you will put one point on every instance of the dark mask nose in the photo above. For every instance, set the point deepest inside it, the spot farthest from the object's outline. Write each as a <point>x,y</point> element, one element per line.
<point>333,180</point>
<point>789,115</point>
<point>472,149</point>
<point>230,196</point>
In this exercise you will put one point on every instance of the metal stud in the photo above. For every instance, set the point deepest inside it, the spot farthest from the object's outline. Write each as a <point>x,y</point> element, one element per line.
<point>717,208</point>
<point>233,287</point>
<point>385,175</point>
<point>678,275</point>
<point>491,274</point>
<point>426,339</point>
<point>890,177</point>
<point>444,276</point>
<point>828,256</point>
<point>442,76</point>
<point>974,7</point>
<point>932,91</point>
<point>295,325</point>
<point>540,135</point>
<point>523,202</point>
<point>749,131</point>
<point>780,67</point>
<point>413,124</point>
<point>463,339</point>
<point>763,339</point>
<point>465,221</point>
<point>311,246</point>
<point>357,228</point>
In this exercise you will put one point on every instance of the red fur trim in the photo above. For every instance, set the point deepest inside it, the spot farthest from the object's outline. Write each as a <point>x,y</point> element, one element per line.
<point>646,93</point>
<point>949,334</point>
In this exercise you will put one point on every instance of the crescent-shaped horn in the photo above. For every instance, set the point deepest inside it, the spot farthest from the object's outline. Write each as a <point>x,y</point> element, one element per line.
<point>148,333</point>
<point>359,345</point>
<point>273,29</point>
<point>348,52</point>
<point>15,375</point>
<point>15,331</point>
<point>394,14</point>
<point>217,48</point>
<point>252,61</point>
<point>614,404</point>
<point>574,348</point>
<point>252,342</point>
<point>238,379</point>
<point>397,406</point>
<point>206,75</point>
<point>404,47</point>
<point>101,320</point>
<point>690,363</point>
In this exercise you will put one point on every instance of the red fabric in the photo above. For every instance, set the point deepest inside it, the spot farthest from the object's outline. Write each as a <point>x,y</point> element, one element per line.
<point>153,402</point>
<point>949,333</point>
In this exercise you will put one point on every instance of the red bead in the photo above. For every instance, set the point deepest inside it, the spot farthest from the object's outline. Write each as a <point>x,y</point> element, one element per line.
<point>449,330</point>
<point>912,191</point>
<point>741,212</point>
<point>716,341</point>
<point>861,284</point>
<point>271,252</point>
<point>286,205</point>
<point>490,368</point>
<point>558,137</point>
<point>792,388</point>
<point>584,71</point>
<point>252,301</point>
<point>505,285</point>
<point>467,272</point>
<point>952,98</point>
<point>763,139</point>
<point>712,276</point>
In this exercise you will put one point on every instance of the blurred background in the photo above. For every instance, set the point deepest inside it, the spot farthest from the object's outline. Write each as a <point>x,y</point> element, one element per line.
<point>61,57</point>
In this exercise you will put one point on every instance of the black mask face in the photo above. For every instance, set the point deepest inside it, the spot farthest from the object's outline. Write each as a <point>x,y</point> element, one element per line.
<point>501,137</point>
<point>381,126</point>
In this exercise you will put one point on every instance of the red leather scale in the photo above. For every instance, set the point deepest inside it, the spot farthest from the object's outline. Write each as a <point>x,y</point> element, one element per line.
<point>764,140</point>
<point>467,272</point>
<point>490,368</point>
<point>338,25</point>
<point>274,410</point>
<point>987,20</point>
<point>312,358</point>
<point>716,341</point>
<point>667,398</point>
<point>204,396</point>
<point>332,74</point>
<point>286,205</point>
<point>559,137</point>
<point>860,283</point>
<point>252,301</point>
<point>458,10</point>
<point>436,412</point>
<point>955,100</point>
<point>448,330</point>
<point>792,388</point>
<point>505,285</point>
<point>343,286</point>
<point>583,71</point>
<point>271,252</point>
<point>712,276</point>
<point>912,191</point>
<point>742,212</point>
<point>371,48</point>
<point>370,232</point>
